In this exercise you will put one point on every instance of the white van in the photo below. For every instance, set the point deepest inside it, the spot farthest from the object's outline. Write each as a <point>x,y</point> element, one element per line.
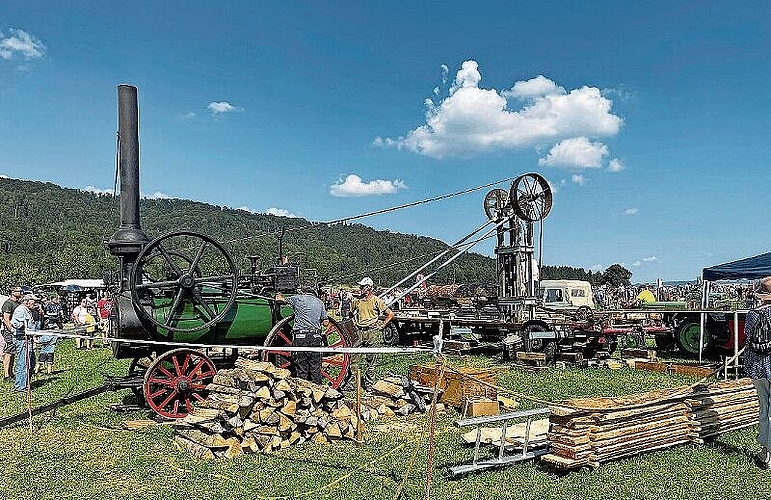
<point>565,294</point>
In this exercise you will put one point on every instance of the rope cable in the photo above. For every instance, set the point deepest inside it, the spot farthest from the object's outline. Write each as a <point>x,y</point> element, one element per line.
<point>376,212</point>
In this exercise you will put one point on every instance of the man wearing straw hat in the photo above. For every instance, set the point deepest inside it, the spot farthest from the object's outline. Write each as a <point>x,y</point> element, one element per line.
<point>757,364</point>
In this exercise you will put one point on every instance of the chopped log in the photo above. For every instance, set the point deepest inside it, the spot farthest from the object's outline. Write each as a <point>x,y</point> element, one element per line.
<point>234,449</point>
<point>235,422</point>
<point>225,380</point>
<point>267,430</point>
<point>332,431</point>
<point>257,407</point>
<point>249,425</point>
<point>317,394</point>
<point>285,423</point>
<point>263,393</point>
<point>319,438</point>
<point>202,438</point>
<point>282,385</point>
<point>250,445</point>
<point>385,387</point>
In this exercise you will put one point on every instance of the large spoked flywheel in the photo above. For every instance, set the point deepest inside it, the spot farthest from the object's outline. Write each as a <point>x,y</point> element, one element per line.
<point>530,197</point>
<point>183,282</point>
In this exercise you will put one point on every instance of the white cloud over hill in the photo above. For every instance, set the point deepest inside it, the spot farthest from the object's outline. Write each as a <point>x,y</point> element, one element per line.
<point>353,185</point>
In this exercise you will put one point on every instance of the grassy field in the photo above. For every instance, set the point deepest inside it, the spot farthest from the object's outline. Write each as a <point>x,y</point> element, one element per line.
<point>82,451</point>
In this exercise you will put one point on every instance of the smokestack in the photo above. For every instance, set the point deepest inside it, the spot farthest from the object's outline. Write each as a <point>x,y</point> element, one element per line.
<point>129,239</point>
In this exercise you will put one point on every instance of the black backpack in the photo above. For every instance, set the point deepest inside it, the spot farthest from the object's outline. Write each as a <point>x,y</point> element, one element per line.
<point>760,339</point>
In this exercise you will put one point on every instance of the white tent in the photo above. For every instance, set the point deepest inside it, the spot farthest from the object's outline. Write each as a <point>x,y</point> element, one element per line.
<point>94,284</point>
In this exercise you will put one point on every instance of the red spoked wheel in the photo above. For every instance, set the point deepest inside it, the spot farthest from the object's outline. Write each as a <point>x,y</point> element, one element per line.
<point>177,379</point>
<point>334,367</point>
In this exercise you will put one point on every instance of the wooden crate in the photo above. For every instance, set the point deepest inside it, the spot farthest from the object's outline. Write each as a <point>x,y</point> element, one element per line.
<point>478,407</point>
<point>458,388</point>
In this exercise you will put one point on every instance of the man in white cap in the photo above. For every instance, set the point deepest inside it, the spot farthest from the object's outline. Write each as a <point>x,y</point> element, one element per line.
<point>367,311</point>
<point>757,364</point>
<point>23,324</point>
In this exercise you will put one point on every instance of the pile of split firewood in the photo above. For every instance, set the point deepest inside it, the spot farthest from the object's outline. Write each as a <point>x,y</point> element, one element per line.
<point>396,395</point>
<point>257,407</point>
<point>588,432</point>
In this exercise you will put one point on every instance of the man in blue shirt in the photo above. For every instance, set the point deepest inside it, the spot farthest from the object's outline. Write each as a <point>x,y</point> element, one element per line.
<point>309,316</point>
<point>23,324</point>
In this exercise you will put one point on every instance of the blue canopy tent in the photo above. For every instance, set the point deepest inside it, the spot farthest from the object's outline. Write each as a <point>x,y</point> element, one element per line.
<point>751,268</point>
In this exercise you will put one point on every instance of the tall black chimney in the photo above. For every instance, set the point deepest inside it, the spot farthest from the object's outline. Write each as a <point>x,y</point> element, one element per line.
<point>129,239</point>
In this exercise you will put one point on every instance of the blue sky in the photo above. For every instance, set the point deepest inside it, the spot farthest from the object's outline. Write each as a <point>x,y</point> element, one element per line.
<point>649,119</point>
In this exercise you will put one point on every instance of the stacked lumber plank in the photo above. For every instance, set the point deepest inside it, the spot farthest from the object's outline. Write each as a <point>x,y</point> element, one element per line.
<point>395,395</point>
<point>723,407</point>
<point>257,407</point>
<point>591,431</point>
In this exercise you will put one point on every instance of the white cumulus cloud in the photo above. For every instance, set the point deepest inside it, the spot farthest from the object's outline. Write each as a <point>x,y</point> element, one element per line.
<point>535,87</point>
<point>637,263</point>
<point>615,165</point>
<point>157,195</point>
<point>221,107</point>
<point>631,211</point>
<point>578,179</point>
<point>22,43</point>
<point>576,152</point>
<point>281,212</point>
<point>534,112</point>
<point>652,258</point>
<point>354,186</point>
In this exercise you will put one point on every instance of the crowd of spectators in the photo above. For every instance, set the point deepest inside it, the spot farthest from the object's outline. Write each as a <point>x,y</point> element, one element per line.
<point>737,294</point>
<point>30,322</point>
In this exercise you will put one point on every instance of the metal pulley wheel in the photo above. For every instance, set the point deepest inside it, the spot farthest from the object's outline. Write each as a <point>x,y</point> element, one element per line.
<point>183,282</point>
<point>530,197</point>
<point>496,205</point>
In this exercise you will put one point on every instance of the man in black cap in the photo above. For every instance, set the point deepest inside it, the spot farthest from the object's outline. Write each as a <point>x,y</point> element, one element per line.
<point>9,347</point>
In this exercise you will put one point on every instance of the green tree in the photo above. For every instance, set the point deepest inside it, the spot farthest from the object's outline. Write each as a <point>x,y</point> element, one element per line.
<point>617,275</point>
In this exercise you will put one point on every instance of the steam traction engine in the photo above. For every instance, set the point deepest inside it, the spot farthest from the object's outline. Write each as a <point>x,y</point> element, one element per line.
<point>184,288</point>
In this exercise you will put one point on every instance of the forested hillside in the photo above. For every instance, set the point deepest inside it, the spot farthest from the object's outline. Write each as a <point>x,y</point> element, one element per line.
<point>52,233</point>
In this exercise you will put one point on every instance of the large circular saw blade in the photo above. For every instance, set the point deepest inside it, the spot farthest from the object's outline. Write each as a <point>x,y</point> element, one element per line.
<point>530,197</point>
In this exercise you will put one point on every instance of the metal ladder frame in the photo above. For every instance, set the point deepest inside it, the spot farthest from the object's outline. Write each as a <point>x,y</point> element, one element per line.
<point>502,459</point>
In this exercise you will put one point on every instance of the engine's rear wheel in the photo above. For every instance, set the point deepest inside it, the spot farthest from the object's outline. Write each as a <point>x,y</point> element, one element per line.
<point>334,367</point>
